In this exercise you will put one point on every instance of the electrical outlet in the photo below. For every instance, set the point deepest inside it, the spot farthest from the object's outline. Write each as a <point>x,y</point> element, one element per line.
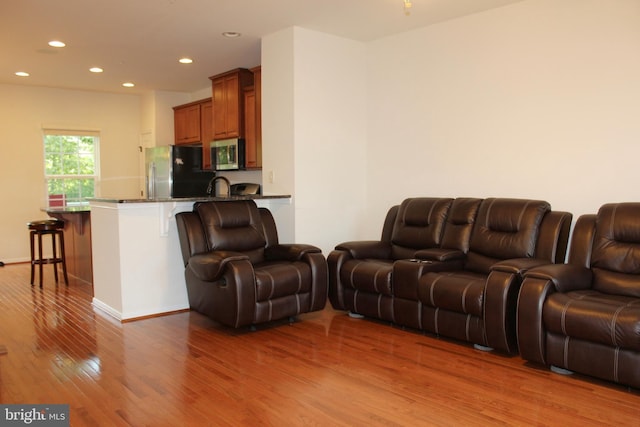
<point>270,178</point>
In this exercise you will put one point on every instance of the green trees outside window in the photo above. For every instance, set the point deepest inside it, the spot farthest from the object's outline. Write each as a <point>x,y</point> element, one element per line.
<point>70,166</point>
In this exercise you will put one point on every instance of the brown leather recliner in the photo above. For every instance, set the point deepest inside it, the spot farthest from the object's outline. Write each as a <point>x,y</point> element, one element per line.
<point>236,271</point>
<point>361,271</point>
<point>584,316</point>
<point>452,267</point>
<point>477,301</point>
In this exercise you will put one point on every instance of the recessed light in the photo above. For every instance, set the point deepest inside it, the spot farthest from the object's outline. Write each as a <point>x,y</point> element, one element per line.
<point>56,43</point>
<point>185,60</point>
<point>22,74</point>
<point>128,84</point>
<point>231,34</point>
<point>96,69</point>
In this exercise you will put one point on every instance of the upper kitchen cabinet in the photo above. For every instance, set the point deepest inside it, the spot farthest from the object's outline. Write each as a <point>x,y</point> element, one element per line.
<point>186,122</point>
<point>228,91</point>
<point>206,131</point>
<point>192,122</point>
<point>253,121</point>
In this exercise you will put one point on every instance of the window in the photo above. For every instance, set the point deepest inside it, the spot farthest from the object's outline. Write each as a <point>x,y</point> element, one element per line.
<point>70,166</point>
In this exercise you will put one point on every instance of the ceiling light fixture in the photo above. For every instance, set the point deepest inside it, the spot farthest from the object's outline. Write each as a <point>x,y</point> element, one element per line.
<point>185,60</point>
<point>56,43</point>
<point>231,34</point>
<point>96,69</point>
<point>128,84</point>
<point>407,7</point>
<point>22,74</point>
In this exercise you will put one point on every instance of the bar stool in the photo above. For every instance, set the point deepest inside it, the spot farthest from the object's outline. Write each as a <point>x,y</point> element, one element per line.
<point>53,228</point>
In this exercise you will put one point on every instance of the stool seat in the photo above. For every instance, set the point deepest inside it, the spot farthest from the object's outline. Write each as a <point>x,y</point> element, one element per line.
<point>48,227</point>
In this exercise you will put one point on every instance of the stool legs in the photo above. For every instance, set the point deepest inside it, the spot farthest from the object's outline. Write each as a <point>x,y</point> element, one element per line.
<point>64,259</point>
<point>55,235</point>
<point>33,265</point>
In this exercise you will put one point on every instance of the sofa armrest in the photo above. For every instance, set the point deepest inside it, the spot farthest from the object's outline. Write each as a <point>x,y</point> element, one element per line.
<point>210,266</point>
<point>518,266</point>
<point>564,277</point>
<point>366,249</point>
<point>289,251</point>
<point>440,254</point>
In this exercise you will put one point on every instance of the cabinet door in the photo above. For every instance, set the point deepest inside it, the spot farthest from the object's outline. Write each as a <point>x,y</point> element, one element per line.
<point>228,103</point>
<point>251,153</point>
<point>257,83</point>
<point>187,124</point>
<point>206,132</point>
<point>232,104</point>
<point>219,109</point>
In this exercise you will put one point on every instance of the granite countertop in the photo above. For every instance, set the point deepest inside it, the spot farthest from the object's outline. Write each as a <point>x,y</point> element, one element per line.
<point>192,199</point>
<point>67,209</point>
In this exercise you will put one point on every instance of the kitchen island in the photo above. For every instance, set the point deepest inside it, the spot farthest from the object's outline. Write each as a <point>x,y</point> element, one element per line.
<point>138,269</point>
<point>77,238</point>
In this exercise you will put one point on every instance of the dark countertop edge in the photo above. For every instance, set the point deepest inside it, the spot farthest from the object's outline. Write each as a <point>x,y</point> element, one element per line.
<point>192,199</point>
<point>66,209</point>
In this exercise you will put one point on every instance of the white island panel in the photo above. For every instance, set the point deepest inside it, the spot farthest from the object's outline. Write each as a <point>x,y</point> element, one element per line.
<point>138,266</point>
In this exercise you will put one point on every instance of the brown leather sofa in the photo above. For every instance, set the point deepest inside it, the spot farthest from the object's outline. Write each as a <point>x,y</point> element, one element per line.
<point>236,271</point>
<point>584,316</point>
<point>452,267</point>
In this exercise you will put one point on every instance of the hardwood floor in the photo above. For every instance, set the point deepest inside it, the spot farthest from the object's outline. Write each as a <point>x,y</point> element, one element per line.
<point>326,370</point>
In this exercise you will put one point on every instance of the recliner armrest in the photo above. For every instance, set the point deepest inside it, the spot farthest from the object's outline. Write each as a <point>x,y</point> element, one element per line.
<point>518,266</point>
<point>565,277</point>
<point>366,249</point>
<point>440,254</point>
<point>289,251</point>
<point>210,266</point>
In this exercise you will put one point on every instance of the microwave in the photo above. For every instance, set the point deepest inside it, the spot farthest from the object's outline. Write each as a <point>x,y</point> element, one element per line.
<point>228,154</point>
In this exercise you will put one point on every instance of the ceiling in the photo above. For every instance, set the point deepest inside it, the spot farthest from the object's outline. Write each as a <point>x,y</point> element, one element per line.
<point>141,40</point>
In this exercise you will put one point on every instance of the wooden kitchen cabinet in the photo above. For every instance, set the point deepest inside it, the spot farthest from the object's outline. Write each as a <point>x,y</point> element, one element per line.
<point>193,123</point>
<point>253,121</point>
<point>206,131</point>
<point>186,121</point>
<point>228,103</point>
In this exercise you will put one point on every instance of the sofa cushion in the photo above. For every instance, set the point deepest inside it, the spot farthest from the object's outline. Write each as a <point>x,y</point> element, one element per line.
<point>460,291</point>
<point>233,226</point>
<point>615,258</point>
<point>593,316</point>
<point>370,275</point>
<point>419,224</point>
<point>291,278</point>
<point>505,229</point>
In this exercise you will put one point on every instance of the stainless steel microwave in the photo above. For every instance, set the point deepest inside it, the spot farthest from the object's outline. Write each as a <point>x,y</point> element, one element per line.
<point>228,154</point>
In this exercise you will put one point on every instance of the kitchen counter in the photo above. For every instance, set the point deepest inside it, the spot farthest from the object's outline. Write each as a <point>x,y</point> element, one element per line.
<point>193,199</point>
<point>77,240</point>
<point>138,270</point>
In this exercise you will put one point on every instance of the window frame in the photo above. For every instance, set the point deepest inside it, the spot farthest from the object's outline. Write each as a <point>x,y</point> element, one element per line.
<point>96,157</point>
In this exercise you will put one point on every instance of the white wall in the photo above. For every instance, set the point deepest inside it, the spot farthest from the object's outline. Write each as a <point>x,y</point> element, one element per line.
<point>24,111</point>
<point>314,131</point>
<point>539,99</point>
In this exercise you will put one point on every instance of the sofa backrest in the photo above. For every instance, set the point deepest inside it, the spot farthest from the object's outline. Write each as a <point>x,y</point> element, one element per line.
<point>615,257</point>
<point>460,221</point>
<point>233,226</point>
<point>419,224</point>
<point>504,229</point>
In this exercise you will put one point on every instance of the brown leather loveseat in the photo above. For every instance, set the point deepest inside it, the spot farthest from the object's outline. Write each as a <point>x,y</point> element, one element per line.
<point>238,273</point>
<point>584,316</point>
<point>452,267</point>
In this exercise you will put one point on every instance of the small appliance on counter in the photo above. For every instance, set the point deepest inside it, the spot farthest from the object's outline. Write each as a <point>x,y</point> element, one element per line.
<point>228,154</point>
<point>176,171</point>
<point>244,189</point>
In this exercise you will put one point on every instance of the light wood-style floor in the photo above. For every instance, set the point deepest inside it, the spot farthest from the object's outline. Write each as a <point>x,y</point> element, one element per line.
<point>324,370</point>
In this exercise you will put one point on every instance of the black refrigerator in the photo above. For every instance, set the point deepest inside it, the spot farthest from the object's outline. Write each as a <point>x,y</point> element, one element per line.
<point>175,171</point>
